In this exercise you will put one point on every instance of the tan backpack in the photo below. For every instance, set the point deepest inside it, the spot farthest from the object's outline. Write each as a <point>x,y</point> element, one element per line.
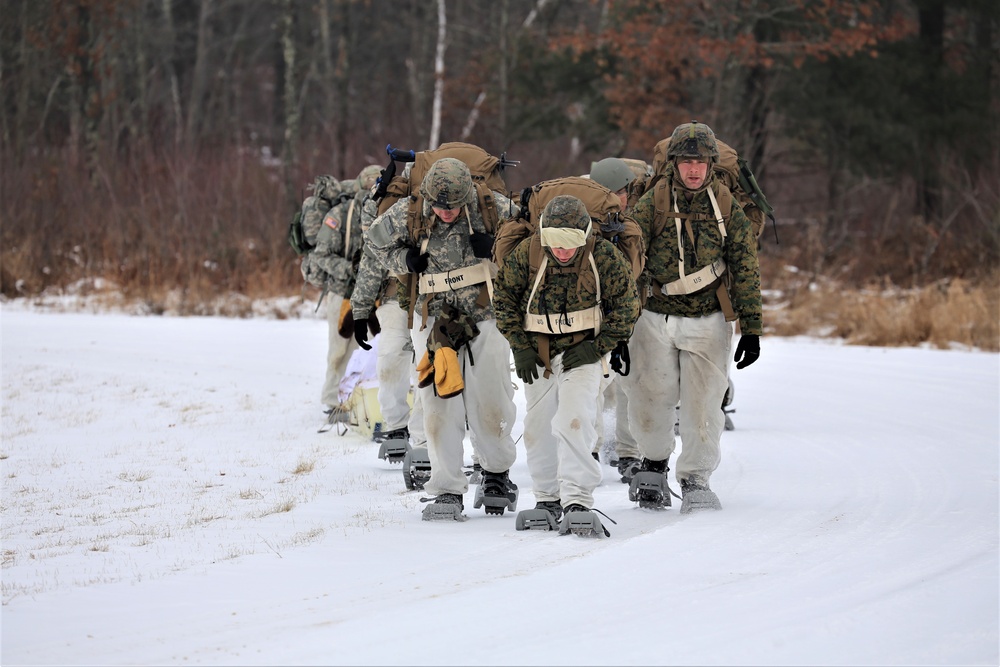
<point>600,202</point>
<point>487,177</point>
<point>735,174</point>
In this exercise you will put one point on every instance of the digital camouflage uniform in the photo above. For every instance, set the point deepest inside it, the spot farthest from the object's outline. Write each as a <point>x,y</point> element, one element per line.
<point>487,400</point>
<point>682,343</point>
<point>330,265</point>
<point>560,425</point>
<point>395,364</point>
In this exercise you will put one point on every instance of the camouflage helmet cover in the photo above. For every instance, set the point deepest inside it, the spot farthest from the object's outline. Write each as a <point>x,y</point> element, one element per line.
<point>566,211</point>
<point>693,139</point>
<point>612,173</point>
<point>565,223</point>
<point>448,184</point>
<point>368,176</point>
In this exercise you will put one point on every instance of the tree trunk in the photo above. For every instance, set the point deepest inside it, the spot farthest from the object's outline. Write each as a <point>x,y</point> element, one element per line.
<point>199,77</point>
<point>438,76</point>
<point>932,43</point>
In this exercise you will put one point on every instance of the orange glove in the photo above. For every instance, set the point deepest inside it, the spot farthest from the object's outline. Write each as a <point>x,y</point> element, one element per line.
<point>425,371</point>
<point>345,325</point>
<point>447,373</point>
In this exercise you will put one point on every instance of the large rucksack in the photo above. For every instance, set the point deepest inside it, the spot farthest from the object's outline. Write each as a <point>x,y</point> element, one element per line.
<point>487,176</point>
<point>735,174</point>
<point>327,193</point>
<point>602,205</point>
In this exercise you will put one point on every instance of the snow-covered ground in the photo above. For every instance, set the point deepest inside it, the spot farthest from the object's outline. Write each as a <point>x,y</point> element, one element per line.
<point>167,500</point>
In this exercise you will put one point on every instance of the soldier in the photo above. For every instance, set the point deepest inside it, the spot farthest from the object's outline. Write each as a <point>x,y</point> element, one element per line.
<point>332,265</point>
<point>614,174</point>
<point>395,363</point>
<point>701,273</point>
<point>465,361</point>
<point>564,298</point>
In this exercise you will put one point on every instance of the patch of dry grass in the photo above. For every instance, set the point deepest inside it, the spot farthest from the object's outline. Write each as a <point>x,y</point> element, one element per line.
<point>946,314</point>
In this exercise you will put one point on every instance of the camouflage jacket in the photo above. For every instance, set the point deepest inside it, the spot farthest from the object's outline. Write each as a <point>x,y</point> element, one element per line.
<point>448,249</point>
<point>330,264</point>
<point>372,278</point>
<point>739,253</point>
<point>559,293</point>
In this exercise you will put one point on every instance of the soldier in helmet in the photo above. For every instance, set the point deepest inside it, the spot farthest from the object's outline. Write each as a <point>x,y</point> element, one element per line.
<point>616,175</point>
<point>564,299</point>
<point>701,274</point>
<point>333,264</point>
<point>465,361</point>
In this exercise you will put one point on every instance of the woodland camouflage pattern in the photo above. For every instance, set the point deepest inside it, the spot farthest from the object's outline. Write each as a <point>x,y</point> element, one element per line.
<point>448,248</point>
<point>739,253</point>
<point>563,292</point>
<point>693,139</point>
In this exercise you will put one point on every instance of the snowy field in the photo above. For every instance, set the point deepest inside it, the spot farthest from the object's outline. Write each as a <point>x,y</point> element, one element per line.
<point>167,500</point>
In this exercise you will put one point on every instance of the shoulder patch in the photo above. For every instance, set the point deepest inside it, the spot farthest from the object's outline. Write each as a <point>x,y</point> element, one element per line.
<point>331,221</point>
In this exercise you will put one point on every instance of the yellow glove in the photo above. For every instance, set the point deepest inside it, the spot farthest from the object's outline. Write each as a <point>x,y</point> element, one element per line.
<point>447,373</point>
<point>425,371</point>
<point>345,325</point>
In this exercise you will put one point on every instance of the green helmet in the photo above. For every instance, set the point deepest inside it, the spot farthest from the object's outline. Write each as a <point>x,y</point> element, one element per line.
<point>567,212</point>
<point>368,176</point>
<point>693,139</point>
<point>612,173</point>
<point>448,184</point>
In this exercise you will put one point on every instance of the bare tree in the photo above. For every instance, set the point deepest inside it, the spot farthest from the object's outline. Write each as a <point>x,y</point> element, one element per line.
<point>442,35</point>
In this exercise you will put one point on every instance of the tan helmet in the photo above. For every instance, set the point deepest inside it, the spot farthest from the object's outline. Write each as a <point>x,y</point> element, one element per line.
<point>693,139</point>
<point>368,176</point>
<point>448,184</point>
<point>612,173</point>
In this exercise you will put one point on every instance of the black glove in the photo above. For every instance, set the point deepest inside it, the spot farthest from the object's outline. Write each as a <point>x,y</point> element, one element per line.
<point>361,332</point>
<point>482,245</point>
<point>416,261</point>
<point>580,354</point>
<point>747,350</point>
<point>621,361</point>
<point>526,363</point>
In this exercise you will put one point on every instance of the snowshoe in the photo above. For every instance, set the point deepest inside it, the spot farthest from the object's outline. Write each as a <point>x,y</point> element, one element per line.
<point>338,414</point>
<point>496,492</point>
<point>545,516</point>
<point>582,522</point>
<point>416,468</point>
<point>446,507</point>
<point>695,497</point>
<point>649,489</point>
<point>627,468</point>
<point>395,445</point>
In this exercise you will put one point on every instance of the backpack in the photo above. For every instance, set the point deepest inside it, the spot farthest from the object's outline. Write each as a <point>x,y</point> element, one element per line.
<point>327,193</point>
<point>487,176</point>
<point>735,174</point>
<point>602,204</point>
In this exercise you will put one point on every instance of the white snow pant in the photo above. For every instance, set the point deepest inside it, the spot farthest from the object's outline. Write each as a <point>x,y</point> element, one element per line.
<point>487,402</point>
<point>397,372</point>
<point>679,359</point>
<point>625,444</point>
<point>560,429</point>
<point>338,354</point>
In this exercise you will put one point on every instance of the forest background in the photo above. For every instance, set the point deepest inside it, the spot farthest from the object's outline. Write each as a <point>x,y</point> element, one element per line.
<point>155,151</point>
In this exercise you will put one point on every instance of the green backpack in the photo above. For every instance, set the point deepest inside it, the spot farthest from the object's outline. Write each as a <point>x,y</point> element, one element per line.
<point>327,193</point>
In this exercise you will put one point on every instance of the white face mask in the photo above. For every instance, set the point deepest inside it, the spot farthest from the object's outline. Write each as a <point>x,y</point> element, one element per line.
<point>563,237</point>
